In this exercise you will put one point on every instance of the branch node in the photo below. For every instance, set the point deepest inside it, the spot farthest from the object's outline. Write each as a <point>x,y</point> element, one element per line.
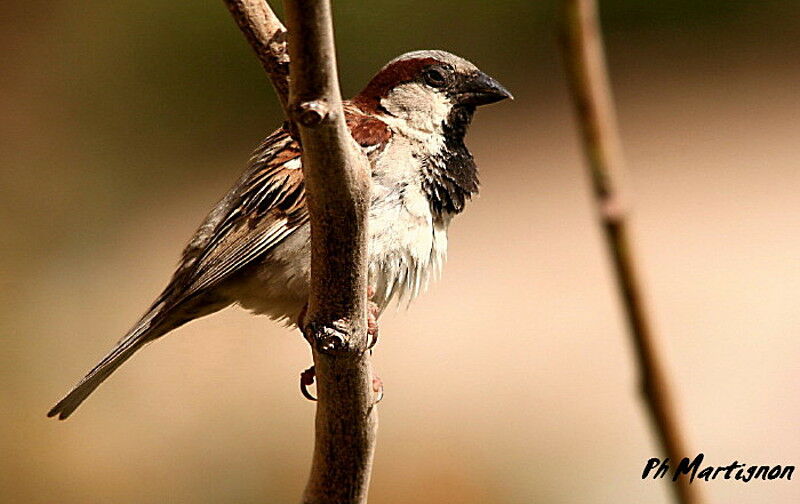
<point>330,339</point>
<point>311,113</point>
<point>612,210</point>
<point>279,51</point>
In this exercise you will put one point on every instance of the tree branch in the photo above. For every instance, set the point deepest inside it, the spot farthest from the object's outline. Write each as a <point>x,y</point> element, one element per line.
<point>338,189</point>
<point>267,35</point>
<point>338,186</point>
<point>586,68</point>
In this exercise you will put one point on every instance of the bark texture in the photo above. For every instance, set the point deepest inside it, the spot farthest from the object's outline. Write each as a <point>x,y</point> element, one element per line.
<point>338,190</point>
<point>338,185</point>
<point>267,36</point>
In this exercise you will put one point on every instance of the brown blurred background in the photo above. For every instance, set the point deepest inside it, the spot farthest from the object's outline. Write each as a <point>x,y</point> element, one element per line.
<point>511,380</point>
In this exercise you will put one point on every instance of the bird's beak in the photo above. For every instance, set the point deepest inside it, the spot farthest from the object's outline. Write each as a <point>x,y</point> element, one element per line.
<point>480,89</point>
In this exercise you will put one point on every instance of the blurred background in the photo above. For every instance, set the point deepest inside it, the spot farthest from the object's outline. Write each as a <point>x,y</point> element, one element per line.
<point>512,379</point>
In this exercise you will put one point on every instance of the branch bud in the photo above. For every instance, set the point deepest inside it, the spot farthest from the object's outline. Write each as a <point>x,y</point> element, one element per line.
<point>311,113</point>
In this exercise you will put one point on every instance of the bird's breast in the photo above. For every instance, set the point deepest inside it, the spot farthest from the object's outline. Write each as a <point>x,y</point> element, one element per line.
<point>407,244</point>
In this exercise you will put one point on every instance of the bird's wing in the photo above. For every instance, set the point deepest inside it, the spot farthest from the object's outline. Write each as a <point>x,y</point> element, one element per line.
<point>266,206</point>
<point>263,208</point>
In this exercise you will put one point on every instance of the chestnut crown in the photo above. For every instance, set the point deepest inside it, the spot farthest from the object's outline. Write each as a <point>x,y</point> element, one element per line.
<point>440,73</point>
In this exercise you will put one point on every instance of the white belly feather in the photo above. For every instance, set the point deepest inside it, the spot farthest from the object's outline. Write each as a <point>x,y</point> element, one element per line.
<point>407,245</point>
<point>407,250</point>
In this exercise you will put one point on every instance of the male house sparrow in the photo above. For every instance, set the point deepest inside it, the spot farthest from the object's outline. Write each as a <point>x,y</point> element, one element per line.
<point>253,248</point>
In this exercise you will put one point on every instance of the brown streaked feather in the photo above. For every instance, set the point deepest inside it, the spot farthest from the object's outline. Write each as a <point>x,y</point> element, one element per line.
<point>266,206</point>
<point>368,131</point>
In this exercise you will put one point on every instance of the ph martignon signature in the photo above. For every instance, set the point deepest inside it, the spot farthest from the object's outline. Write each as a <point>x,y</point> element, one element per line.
<point>735,470</point>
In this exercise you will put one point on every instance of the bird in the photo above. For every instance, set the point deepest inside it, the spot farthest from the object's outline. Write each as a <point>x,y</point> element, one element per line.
<point>253,248</point>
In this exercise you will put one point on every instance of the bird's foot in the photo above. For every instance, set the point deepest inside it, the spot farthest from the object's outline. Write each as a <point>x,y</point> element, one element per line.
<point>377,387</point>
<point>373,311</point>
<point>372,324</point>
<point>306,380</point>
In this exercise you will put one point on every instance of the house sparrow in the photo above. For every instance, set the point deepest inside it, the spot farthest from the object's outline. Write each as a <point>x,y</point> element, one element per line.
<point>253,248</point>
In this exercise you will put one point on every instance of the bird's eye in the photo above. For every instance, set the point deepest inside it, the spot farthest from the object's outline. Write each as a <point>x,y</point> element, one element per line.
<point>435,77</point>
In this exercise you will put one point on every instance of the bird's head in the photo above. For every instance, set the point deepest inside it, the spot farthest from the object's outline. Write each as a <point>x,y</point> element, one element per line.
<point>429,90</point>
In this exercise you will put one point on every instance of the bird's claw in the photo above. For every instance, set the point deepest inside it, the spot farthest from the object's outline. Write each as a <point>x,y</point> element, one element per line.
<point>377,387</point>
<point>373,311</point>
<point>372,324</point>
<point>306,380</point>
<point>307,376</point>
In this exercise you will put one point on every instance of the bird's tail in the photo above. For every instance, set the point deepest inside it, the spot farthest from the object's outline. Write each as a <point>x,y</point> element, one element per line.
<point>146,330</point>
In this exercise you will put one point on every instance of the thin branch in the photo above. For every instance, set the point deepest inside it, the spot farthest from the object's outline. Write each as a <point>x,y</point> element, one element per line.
<point>585,62</point>
<point>337,185</point>
<point>267,35</point>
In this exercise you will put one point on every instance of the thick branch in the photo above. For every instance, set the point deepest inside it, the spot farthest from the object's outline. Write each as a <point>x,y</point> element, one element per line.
<point>588,78</point>
<point>338,186</point>
<point>267,36</point>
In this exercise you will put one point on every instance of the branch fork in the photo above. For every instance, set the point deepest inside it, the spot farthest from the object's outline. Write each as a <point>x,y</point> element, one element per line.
<point>337,183</point>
